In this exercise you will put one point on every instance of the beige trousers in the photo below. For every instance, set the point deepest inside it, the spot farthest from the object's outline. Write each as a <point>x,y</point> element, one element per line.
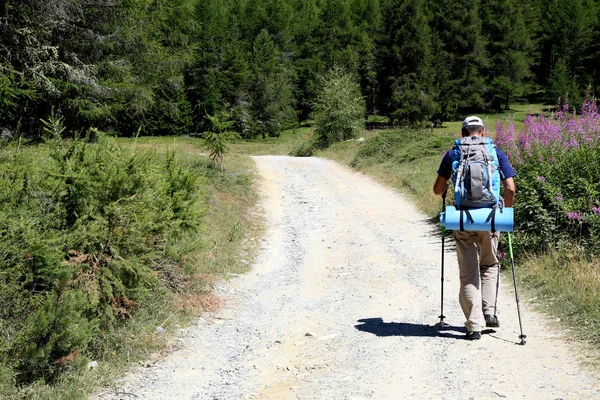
<point>479,275</point>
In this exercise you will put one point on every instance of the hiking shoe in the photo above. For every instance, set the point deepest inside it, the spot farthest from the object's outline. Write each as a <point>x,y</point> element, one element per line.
<point>491,321</point>
<point>473,335</point>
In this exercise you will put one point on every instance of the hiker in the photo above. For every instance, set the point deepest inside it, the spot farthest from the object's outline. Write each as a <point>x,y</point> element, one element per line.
<point>477,251</point>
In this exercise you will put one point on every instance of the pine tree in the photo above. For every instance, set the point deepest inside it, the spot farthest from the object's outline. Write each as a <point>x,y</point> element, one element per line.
<point>270,88</point>
<point>459,57</point>
<point>308,62</point>
<point>368,17</point>
<point>510,50</point>
<point>406,74</point>
<point>567,41</point>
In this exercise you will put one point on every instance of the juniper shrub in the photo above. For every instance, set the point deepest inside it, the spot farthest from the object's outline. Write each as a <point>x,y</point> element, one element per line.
<point>86,229</point>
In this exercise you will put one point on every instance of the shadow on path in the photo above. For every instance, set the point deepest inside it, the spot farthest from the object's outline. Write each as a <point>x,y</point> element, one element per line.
<point>377,327</point>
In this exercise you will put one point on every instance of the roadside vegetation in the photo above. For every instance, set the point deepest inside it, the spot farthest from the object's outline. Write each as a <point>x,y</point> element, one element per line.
<point>107,246</point>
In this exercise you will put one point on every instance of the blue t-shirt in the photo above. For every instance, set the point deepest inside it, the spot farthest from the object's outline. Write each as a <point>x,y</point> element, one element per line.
<point>506,170</point>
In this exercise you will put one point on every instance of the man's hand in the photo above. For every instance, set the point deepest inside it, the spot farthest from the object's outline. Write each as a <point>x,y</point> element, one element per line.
<point>509,191</point>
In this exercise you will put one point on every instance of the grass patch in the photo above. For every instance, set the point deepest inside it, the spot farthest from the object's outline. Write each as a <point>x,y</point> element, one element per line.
<point>282,145</point>
<point>566,285</point>
<point>515,115</point>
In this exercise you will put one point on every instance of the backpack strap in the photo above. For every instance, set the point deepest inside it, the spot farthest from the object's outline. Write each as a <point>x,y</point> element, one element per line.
<point>492,217</point>
<point>469,219</point>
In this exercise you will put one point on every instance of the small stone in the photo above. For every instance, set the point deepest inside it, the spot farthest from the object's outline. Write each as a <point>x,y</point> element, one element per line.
<point>159,329</point>
<point>92,364</point>
<point>309,334</point>
<point>329,337</point>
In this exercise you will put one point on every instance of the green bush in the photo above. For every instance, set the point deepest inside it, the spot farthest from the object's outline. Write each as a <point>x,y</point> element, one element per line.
<point>339,109</point>
<point>87,229</point>
<point>304,149</point>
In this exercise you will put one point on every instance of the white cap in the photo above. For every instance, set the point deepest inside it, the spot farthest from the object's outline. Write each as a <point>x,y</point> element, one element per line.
<point>472,121</point>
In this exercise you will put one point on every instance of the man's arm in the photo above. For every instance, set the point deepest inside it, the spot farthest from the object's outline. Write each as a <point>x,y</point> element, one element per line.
<point>440,185</point>
<point>509,191</point>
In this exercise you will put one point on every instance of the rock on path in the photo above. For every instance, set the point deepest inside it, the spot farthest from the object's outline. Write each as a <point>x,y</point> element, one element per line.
<point>342,303</point>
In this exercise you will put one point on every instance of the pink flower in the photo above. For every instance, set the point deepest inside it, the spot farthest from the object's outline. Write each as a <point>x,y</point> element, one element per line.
<point>559,197</point>
<point>541,179</point>
<point>575,216</point>
<point>596,210</point>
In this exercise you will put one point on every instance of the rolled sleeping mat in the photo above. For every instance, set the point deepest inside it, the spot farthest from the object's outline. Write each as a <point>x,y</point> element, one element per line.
<point>479,219</point>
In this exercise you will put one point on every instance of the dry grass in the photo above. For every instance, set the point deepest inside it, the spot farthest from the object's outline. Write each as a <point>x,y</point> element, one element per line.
<point>282,145</point>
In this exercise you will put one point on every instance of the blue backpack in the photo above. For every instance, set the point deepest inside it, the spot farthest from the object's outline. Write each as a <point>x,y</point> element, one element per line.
<point>476,173</point>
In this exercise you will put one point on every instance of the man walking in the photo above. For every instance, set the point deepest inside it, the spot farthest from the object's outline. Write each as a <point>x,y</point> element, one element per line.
<point>477,251</point>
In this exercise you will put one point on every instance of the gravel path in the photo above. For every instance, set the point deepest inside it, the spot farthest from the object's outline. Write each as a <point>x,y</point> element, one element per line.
<point>342,303</point>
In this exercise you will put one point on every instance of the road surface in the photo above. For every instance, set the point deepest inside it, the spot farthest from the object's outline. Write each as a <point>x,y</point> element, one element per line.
<point>342,303</point>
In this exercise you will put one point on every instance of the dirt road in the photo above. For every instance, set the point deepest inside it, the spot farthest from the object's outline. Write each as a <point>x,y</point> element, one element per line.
<point>342,303</point>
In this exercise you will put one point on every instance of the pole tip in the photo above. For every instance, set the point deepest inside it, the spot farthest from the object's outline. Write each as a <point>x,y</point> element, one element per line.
<point>522,337</point>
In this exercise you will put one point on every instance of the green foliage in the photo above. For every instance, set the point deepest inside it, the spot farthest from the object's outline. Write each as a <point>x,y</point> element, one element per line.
<point>216,139</point>
<point>557,198</point>
<point>459,57</point>
<point>117,66</point>
<point>339,109</point>
<point>270,88</point>
<point>87,228</point>
<point>163,66</point>
<point>401,146</point>
<point>407,90</point>
<point>510,48</point>
<point>304,149</point>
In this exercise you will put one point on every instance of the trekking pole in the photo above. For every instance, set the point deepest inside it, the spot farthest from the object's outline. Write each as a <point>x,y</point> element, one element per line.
<point>512,263</point>
<point>441,317</point>
<point>497,284</point>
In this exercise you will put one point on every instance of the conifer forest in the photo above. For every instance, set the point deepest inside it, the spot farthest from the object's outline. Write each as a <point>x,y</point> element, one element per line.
<point>163,67</point>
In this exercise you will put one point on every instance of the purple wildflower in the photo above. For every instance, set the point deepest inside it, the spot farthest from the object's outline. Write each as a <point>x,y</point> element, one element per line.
<point>575,216</point>
<point>596,210</point>
<point>559,197</point>
<point>541,179</point>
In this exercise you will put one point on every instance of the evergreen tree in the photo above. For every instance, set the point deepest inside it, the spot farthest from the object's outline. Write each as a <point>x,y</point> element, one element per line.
<point>368,17</point>
<point>406,74</point>
<point>220,74</point>
<point>510,50</point>
<point>308,61</point>
<point>567,41</point>
<point>459,57</point>
<point>270,88</point>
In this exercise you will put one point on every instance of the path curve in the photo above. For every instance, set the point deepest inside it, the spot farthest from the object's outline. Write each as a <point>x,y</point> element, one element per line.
<point>342,303</point>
